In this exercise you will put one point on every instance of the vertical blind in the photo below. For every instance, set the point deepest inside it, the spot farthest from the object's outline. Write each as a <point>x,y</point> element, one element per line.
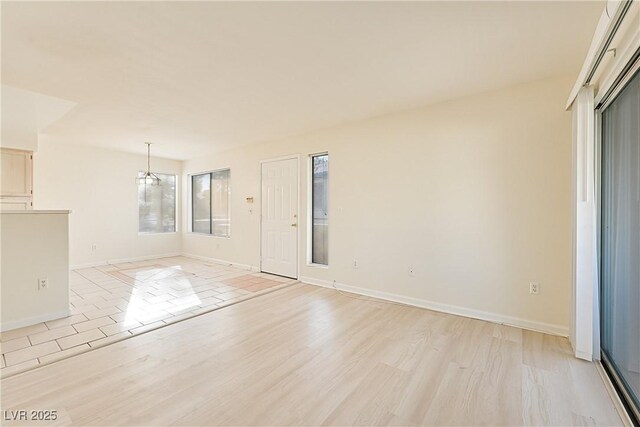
<point>620,250</point>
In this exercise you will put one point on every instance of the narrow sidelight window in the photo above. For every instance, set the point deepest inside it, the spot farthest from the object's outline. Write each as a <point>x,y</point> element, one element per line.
<point>319,209</point>
<point>210,203</point>
<point>157,205</point>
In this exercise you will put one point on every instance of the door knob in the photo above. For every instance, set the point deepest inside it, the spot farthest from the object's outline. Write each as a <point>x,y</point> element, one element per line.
<point>294,225</point>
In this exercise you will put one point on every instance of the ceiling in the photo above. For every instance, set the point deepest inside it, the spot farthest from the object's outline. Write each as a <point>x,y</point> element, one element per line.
<point>198,77</point>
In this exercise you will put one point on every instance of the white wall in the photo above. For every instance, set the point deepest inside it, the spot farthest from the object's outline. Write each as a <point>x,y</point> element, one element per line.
<point>35,245</point>
<point>475,194</point>
<point>26,114</point>
<point>19,121</point>
<point>99,187</point>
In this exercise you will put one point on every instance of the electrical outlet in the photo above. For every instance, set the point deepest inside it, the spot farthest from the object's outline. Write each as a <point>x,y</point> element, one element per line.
<point>534,288</point>
<point>355,263</point>
<point>411,272</point>
<point>94,248</point>
<point>43,283</point>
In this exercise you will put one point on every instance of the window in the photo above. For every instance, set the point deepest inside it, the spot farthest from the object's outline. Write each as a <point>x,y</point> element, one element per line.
<point>157,205</point>
<point>620,250</point>
<point>319,209</point>
<point>210,205</point>
<point>201,203</point>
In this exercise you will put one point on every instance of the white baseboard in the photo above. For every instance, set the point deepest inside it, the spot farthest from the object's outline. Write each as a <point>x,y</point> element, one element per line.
<point>167,255</point>
<point>222,261</point>
<point>584,355</point>
<point>445,308</point>
<point>122,260</point>
<point>548,328</point>
<point>7,326</point>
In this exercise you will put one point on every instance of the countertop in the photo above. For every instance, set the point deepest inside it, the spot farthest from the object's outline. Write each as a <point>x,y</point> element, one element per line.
<point>38,211</point>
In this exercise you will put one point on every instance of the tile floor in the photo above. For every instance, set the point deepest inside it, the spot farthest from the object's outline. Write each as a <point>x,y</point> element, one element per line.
<point>112,302</point>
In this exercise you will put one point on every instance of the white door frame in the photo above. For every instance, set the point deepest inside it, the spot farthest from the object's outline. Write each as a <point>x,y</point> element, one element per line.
<point>297,157</point>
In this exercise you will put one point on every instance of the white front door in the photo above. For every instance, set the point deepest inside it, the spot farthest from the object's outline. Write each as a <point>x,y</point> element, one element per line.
<point>280,217</point>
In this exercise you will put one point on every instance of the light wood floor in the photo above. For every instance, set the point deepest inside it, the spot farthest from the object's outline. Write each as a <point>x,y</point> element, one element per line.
<point>112,302</point>
<point>308,356</point>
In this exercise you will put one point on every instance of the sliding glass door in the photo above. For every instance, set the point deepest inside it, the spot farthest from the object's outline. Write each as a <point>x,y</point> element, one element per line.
<point>620,237</point>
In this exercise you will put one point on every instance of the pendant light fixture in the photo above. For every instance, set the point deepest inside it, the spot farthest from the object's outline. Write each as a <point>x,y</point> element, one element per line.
<point>148,177</point>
